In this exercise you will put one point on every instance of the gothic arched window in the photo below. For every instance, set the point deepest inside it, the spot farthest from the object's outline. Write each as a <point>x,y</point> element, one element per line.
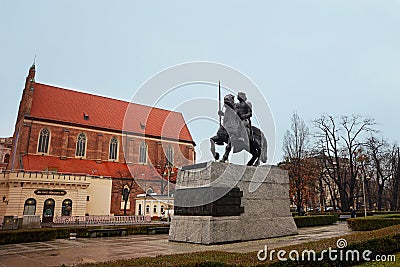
<point>44,138</point>
<point>169,154</point>
<point>113,148</point>
<point>81,145</point>
<point>143,152</point>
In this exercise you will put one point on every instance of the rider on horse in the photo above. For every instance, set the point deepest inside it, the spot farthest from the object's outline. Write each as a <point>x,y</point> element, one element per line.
<point>244,111</point>
<point>236,131</point>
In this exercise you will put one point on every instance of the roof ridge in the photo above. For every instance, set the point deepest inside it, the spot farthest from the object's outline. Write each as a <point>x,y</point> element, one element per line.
<point>106,97</point>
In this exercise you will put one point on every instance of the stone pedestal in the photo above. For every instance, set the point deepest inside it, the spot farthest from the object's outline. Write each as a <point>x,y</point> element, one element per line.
<point>264,204</point>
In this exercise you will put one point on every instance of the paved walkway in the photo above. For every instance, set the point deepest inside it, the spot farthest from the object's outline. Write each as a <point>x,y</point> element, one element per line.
<point>70,252</point>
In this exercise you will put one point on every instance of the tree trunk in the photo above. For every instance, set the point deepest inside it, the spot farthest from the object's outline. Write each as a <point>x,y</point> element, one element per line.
<point>368,194</point>
<point>344,200</point>
<point>125,204</point>
<point>321,194</point>
<point>299,200</point>
<point>379,198</point>
<point>394,203</point>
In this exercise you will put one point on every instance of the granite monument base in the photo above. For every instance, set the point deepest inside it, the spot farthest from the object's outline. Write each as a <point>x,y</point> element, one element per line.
<point>261,210</point>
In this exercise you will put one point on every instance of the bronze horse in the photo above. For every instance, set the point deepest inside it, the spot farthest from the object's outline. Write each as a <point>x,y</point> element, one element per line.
<point>235,135</point>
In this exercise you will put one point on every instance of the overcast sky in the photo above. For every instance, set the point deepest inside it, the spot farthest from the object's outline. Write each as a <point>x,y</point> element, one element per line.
<point>312,57</point>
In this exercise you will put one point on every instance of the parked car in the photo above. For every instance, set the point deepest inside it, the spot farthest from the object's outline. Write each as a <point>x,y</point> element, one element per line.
<point>331,209</point>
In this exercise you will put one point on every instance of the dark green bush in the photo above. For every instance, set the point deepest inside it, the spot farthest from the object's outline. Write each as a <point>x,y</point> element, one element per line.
<point>391,216</point>
<point>46,234</point>
<point>384,212</point>
<point>373,222</point>
<point>316,220</point>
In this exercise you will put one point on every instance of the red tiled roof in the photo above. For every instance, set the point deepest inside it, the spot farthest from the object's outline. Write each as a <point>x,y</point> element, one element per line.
<point>68,106</point>
<point>90,167</point>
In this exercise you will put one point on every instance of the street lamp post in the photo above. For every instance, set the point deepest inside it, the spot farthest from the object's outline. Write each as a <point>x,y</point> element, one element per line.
<point>365,203</point>
<point>168,174</point>
<point>144,201</point>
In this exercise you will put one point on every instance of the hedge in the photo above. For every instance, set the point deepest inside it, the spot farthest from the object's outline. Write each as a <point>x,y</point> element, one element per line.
<point>316,220</point>
<point>47,234</point>
<point>384,241</point>
<point>373,223</point>
<point>388,212</point>
<point>392,216</point>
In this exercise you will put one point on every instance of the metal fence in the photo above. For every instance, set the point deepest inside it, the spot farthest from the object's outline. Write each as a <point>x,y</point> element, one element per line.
<point>101,219</point>
<point>31,221</point>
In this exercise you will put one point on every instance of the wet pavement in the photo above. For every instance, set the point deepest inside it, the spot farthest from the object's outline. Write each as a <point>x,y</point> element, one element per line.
<point>82,250</point>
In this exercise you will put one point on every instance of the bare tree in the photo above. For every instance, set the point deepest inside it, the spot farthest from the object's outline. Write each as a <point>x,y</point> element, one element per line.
<point>339,143</point>
<point>382,158</point>
<point>367,171</point>
<point>295,148</point>
<point>124,186</point>
<point>324,179</point>
<point>395,178</point>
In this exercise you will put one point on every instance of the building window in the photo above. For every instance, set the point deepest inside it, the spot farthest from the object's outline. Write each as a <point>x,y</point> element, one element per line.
<point>149,191</point>
<point>147,209</point>
<point>113,148</point>
<point>169,154</point>
<point>162,208</point>
<point>48,210</point>
<point>43,145</point>
<point>7,158</point>
<point>30,206</point>
<point>155,209</point>
<point>81,145</point>
<point>125,193</point>
<point>140,209</point>
<point>143,153</point>
<point>66,209</point>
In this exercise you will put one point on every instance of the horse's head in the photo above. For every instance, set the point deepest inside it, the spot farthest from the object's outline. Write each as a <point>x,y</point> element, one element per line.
<point>229,100</point>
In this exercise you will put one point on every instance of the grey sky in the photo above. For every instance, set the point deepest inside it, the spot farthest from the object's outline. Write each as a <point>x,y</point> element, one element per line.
<point>338,57</point>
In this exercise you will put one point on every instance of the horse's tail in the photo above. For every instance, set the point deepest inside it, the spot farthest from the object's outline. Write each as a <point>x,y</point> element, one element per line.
<point>262,143</point>
<point>264,148</point>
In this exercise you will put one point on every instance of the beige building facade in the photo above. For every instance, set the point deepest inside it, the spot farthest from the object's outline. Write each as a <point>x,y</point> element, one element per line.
<point>51,195</point>
<point>154,205</point>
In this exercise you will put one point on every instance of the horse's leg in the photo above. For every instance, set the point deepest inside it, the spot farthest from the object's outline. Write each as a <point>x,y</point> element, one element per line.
<point>255,152</point>
<point>227,151</point>
<point>251,161</point>
<point>257,161</point>
<point>258,149</point>
<point>215,154</point>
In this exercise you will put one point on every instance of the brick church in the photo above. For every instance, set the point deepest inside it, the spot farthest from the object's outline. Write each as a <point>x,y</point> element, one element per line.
<point>65,132</point>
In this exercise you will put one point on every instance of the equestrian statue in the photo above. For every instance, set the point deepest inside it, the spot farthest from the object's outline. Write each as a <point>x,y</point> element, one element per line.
<point>237,132</point>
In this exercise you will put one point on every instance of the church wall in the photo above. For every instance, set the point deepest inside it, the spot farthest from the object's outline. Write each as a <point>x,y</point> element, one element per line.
<point>63,140</point>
